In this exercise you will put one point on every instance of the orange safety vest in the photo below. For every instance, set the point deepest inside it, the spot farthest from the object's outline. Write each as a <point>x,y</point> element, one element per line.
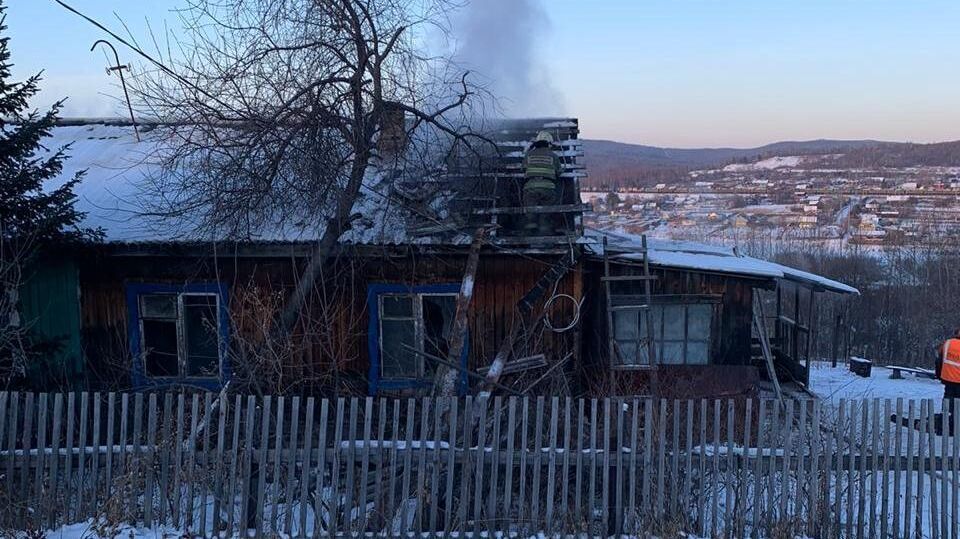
<point>950,368</point>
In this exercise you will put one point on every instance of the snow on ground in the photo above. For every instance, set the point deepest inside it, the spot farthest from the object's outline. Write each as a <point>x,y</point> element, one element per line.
<point>766,209</point>
<point>766,164</point>
<point>87,530</point>
<point>833,384</point>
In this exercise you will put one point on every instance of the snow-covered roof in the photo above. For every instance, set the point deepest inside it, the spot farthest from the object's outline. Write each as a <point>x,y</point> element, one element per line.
<point>120,185</point>
<point>697,256</point>
<point>117,190</point>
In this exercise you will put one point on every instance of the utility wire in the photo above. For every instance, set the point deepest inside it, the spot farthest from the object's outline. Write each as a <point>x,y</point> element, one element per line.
<point>163,67</point>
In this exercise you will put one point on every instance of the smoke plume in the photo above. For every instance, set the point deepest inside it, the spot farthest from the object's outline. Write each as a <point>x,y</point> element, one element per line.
<point>504,43</point>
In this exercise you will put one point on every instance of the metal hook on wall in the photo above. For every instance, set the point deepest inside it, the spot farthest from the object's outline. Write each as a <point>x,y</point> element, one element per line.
<point>118,67</point>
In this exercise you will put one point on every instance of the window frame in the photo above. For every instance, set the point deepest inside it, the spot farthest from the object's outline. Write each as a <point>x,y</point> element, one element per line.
<point>135,333</point>
<point>661,304</point>
<point>376,380</point>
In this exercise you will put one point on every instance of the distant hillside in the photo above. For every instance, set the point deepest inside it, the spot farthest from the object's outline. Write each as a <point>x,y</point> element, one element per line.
<point>901,155</point>
<point>708,157</point>
<point>620,164</point>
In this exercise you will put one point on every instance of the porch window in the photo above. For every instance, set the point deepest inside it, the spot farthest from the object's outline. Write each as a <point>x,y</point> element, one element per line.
<point>406,321</point>
<point>177,333</point>
<point>682,333</point>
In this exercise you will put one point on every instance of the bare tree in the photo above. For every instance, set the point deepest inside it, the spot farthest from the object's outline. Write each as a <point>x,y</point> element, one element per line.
<point>271,111</point>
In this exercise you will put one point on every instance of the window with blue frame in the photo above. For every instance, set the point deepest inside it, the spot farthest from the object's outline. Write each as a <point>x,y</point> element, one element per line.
<point>178,333</point>
<point>404,321</point>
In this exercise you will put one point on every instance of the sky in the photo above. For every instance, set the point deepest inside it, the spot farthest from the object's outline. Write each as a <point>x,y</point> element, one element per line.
<point>679,73</point>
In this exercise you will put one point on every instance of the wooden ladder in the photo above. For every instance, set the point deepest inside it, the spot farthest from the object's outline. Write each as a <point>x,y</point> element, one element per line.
<point>759,323</point>
<point>647,279</point>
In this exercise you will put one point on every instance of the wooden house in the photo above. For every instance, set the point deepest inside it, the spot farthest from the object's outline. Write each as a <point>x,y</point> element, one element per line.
<point>575,312</point>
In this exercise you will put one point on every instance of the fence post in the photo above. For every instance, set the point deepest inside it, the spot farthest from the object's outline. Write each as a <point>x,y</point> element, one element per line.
<point>452,462</point>
<point>53,501</point>
<point>813,502</point>
<point>205,491</point>
<point>39,499</point>
<point>108,456</point>
<point>307,465</point>
<point>492,517</point>
<point>675,462</point>
<point>428,404</point>
<point>322,463</point>
<point>291,465</point>
<point>482,403</point>
<point>661,460</point>
<point>190,446</point>
<point>464,475</point>
<point>260,474</point>
<point>874,476</point>
<point>273,523</point>
<point>605,463</point>
<point>151,459</point>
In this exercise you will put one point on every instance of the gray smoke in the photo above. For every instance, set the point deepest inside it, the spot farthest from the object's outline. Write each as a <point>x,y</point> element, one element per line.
<point>503,42</point>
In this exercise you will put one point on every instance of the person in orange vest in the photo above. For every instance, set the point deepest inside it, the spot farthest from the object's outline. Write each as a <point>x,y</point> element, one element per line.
<point>948,371</point>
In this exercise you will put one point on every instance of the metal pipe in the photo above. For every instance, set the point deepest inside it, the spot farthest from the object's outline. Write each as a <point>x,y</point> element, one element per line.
<point>123,83</point>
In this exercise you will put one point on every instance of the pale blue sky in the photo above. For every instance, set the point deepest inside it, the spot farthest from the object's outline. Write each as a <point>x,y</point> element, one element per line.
<point>663,72</point>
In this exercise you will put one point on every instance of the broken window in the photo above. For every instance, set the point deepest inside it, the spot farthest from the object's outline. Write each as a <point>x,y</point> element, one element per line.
<point>682,333</point>
<point>179,334</point>
<point>410,323</point>
<point>158,330</point>
<point>201,336</point>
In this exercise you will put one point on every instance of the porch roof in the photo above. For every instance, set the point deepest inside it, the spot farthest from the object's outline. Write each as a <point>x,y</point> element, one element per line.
<point>698,256</point>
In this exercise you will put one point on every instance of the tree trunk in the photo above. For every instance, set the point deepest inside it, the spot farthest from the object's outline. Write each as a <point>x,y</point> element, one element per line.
<point>334,228</point>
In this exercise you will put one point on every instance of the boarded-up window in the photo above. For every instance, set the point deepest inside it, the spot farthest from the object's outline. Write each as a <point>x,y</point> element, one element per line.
<point>682,333</point>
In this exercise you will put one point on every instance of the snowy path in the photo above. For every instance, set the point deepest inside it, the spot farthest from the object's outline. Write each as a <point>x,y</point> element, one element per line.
<point>833,384</point>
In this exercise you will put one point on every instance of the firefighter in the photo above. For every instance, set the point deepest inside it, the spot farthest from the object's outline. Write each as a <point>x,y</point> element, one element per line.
<point>542,185</point>
<point>948,371</point>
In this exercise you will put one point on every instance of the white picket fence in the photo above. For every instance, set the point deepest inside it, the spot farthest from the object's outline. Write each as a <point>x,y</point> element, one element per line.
<point>317,467</point>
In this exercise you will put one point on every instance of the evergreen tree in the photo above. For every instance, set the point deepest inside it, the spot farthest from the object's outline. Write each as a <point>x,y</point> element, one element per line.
<point>35,213</point>
<point>30,214</point>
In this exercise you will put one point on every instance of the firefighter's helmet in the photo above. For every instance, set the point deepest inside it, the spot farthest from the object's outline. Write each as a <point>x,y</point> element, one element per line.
<point>545,136</point>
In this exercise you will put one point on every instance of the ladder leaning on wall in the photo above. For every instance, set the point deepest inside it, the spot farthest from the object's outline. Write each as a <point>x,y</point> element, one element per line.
<point>648,342</point>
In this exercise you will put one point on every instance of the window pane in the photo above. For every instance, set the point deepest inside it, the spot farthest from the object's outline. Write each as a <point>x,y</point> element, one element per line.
<point>158,306</point>
<point>671,353</point>
<point>438,314</point>
<point>201,326</point>
<point>698,322</point>
<point>656,319</point>
<point>625,325</point>
<point>673,322</point>
<point>644,355</point>
<point>160,347</point>
<point>628,352</point>
<point>395,360</point>
<point>698,353</point>
<point>397,305</point>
